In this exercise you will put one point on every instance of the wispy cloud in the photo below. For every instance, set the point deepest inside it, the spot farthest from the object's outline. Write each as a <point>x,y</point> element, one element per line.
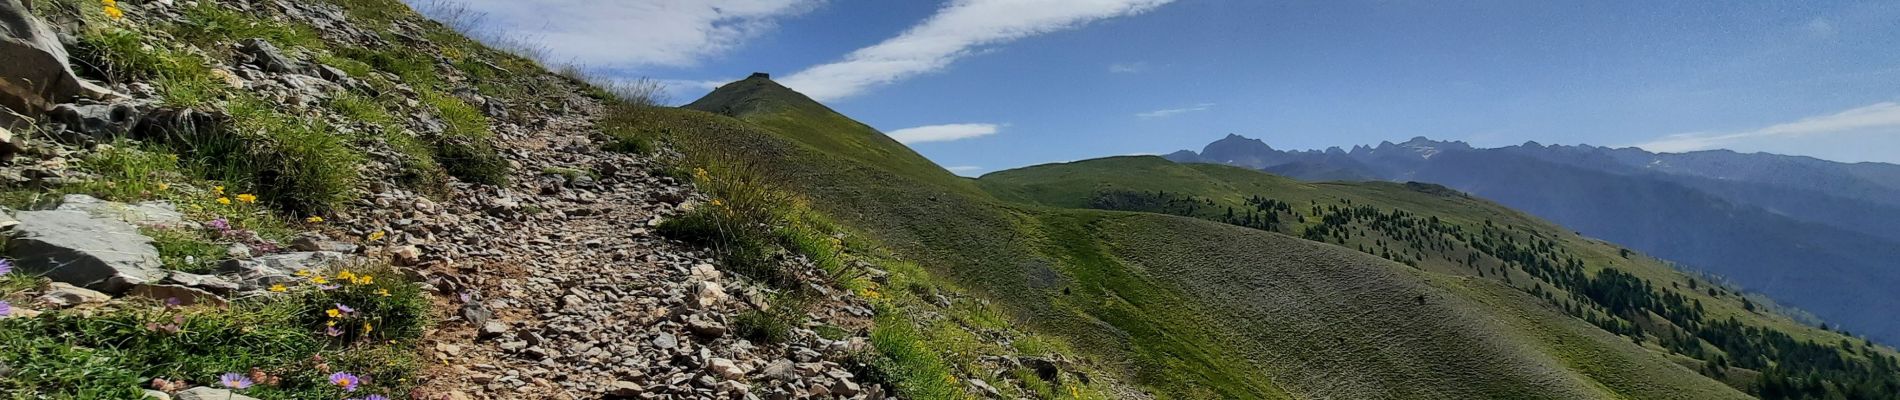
<point>1883,117</point>
<point>621,33</point>
<point>1128,68</point>
<point>959,29</point>
<point>942,133</point>
<point>964,170</point>
<point>1164,113</point>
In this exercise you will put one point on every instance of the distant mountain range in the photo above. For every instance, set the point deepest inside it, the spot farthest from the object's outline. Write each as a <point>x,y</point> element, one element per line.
<point>1819,235</point>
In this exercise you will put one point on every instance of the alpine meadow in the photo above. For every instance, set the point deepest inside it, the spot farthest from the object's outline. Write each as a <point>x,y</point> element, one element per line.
<point>965,199</point>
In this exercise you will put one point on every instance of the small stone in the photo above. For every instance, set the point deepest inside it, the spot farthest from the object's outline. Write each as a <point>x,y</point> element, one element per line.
<point>406,255</point>
<point>781,369</point>
<point>63,295</point>
<point>493,329</point>
<point>624,389</point>
<point>699,324</point>
<point>846,388</point>
<point>666,341</point>
<point>705,272</point>
<point>985,388</point>
<point>709,294</point>
<point>725,369</point>
<point>156,395</point>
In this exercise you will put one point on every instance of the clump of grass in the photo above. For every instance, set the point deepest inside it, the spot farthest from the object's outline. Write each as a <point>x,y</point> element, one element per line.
<point>301,165</point>
<point>419,168</point>
<point>464,147</point>
<point>907,363</point>
<point>739,222</point>
<point>208,23</point>
<point>626,133</point>
<point>181,250</point>
<point>766,327</point>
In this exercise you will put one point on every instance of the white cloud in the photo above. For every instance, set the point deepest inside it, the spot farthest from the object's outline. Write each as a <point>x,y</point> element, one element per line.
<point>964,170</point>
<point>942,133</point>
<point>959,29</point>
<point>1163,113</point>
<point>619,33</point>
<point>1128,68</point>
<point>1883,117</point>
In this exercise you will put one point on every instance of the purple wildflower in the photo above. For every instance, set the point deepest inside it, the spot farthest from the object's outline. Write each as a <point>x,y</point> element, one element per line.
<point>234,380</point>
<point>345,309</point>
<point>371,397</point>
<point>5,308</point>
<point>6,266</point>
<point>328,287</point>
<point>332,331</point>
<point>345,380</point>
<point>220,225</point>
<point>466,297</point>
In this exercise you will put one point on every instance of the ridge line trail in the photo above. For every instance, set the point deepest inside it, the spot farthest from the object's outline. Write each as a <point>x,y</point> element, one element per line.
<point>567,267</point>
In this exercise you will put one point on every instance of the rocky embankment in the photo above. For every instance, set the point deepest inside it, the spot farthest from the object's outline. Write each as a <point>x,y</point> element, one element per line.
<point>552,285</point>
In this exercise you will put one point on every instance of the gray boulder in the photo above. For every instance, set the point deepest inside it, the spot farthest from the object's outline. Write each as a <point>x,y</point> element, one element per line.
<point>35,75</point>
<point>95,122</point>
<point>267,56</point>
<point>150,213</point>
<point>103,254</point>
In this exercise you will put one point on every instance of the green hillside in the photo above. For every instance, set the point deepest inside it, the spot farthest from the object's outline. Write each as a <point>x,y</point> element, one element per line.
<point>1711,328</point>
<point>1181,307</point>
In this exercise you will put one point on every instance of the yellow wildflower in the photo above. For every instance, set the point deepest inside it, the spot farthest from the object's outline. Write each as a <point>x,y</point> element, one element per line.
<point>224,200</point>
<point>717,203</point>
<point>303,272</point>
<point>114,12</point>
<point>162,186</point>
<point>346,275</point>
<point>330,322</point>
<point>279,288</point>
<point>382,292</point>
<point>247,197</point>
<point>367,329</point>
<point>365,280</point>
<point>334,313</point>
<point>319,279</point>
<point>218,189</point>
<point>375,236</point>
<point>314,219</point>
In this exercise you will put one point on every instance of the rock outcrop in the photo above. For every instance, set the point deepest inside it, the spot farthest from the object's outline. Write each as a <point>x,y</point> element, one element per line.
<point>73,246</point>
<point>35,75</point>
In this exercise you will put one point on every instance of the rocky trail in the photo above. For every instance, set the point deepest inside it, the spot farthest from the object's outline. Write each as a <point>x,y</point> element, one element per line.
<point>569,294</point>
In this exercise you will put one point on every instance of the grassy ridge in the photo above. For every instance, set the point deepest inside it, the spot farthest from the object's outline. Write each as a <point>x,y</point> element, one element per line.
<point>1117,286</point>
<point>1213,190</point>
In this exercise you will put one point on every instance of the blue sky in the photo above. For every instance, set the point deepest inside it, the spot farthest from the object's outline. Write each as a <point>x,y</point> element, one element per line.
<point>984,85</point>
